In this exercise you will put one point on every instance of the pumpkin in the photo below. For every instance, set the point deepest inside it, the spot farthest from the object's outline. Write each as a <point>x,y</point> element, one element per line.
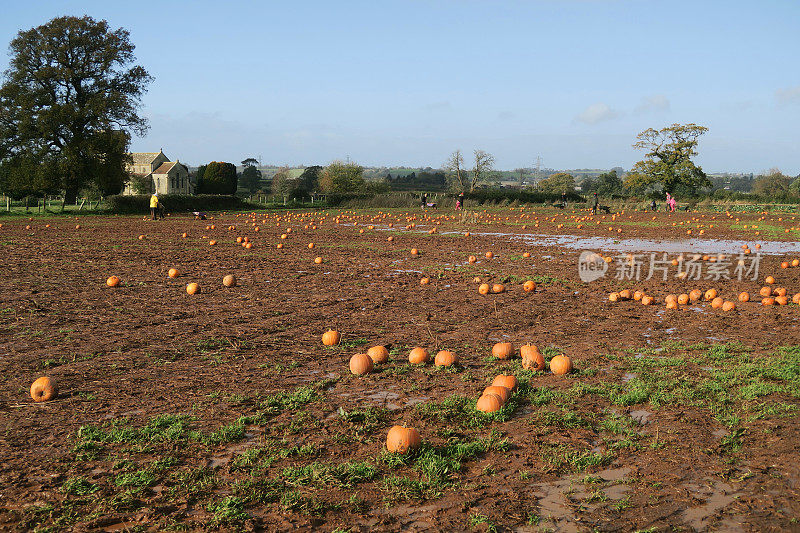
<point>785,264</point>
<point>497,288</point>
<point>212,242</point>
<point>503,392</point>
<point>173,273</point>
<point>625,294</point>
<point>414,251</point>
<point>418,356</point>
<point>472,259</point>
<point>318,260</point>
<point>671,298</point>
<point>445,358</point>
<point>710,295</point>
<point>192,288</point>
<point>476,279</point>
<point>361,364</point>
<point>647,300</point>
<point>744,297</point>
<point>781,300</point>
<point>424,281</point>
<point>638,295</point>
<point>795,262</point>
<point>506,380</point>
<point>311,246</point>
<point>503,350</point>
<point>331,337</point>
<point>695,295</point>
<point>532,358</point>
<point>780,291</point>
<point>526,255</point>
<point>717,302</point>
<point>560,365</point>
<point>489,403</point>
<point>768,301</point>
<point>529,286</point>
<point>770,280</point>
<point>484,288</point>
<point>379,354</point>
<point>796,298</point>
<point>613,297</point>
<point>43,390</point>
<point>229,280</point>
<point>489,255</point>
<point>390,239</point>
<point>765,291</point>
<point>401,439</point>
<point>113,281</point>
<point>672,304</point>
<point>728,306</point>
<point>280,245</point>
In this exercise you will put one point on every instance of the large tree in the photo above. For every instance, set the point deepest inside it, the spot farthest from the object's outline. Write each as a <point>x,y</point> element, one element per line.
<point>558,183</point>
<point>69,102</point>
<point>481,171</point>
<point>668,161</point>
<point>250,178</point>
<point>218,178</point>
<point>340,177</point>
<point>454,166</point>
<point>772,183</point>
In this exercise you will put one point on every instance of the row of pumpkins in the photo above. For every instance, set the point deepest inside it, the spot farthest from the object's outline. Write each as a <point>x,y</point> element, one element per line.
<point>769,296</point>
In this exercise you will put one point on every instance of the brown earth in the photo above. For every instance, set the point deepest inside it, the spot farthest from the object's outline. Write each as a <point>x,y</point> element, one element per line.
<point>587,457</point>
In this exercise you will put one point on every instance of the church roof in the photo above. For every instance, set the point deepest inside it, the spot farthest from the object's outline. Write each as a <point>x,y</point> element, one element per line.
<point>144,158</point>
<point>164,168</point>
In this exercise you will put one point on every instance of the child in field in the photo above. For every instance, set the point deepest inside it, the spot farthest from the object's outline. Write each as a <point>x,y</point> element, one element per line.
<point>154,212</point>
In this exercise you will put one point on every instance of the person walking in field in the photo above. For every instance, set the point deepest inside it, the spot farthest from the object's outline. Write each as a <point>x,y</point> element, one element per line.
<point>460,201</point>
<point>424,201</point>
<point>154,206</point>
<point>595,203</point>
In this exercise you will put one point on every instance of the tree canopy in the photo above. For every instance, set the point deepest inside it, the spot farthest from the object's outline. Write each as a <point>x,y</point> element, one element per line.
<point>341,178</point>
<point>668,162</point>
<point>250,178</point>
<point>68,105</point>
<point>218,178</point>
<point>560,182</point>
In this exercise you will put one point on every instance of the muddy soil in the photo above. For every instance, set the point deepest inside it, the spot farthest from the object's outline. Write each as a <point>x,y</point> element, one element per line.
<point>575,453</point>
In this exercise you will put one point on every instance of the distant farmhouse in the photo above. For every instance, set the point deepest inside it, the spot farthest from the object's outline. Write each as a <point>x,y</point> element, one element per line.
<point>166,177</point>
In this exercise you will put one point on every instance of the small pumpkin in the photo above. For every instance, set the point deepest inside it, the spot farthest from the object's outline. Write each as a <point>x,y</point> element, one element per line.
<point>173,273</point>
<point>717,302</point>
<point>361,364</point>
<point>506,380</point>
<point>425,281</point>
<point>695,295</point>
<point>625,294</point>
<point>472,259</point>
<point>503,392</point>
<point>498,288</point>
<point>489,403</point>
<point>331,337</point>
<point>484,288</point>
<point>414,251</point>
<point>193,288</point>
<point>526,255</point>
<point>489,255</point>
<point>728,306</point>
<point>445,358</point>
<point>401,439</point>
<point>503,350</point>
<point>43,390</point>
<point>780,291</point>
<point>560,365</point>
<point>647,300</point>
<point>613,297</point>
<point>683,299</point>
<point>770,280</point>
<point>781,300</point>
<point>379,354</point>
<point>765,291</point>
<point>229,280</point>
<point>768,301</point>
<point>796,298</point>
<point>113,281</point>
<point>318,260</point>
<point>529,286</point>
<point>532,358</point>
<point>418,356</point>
<point>744,297</point>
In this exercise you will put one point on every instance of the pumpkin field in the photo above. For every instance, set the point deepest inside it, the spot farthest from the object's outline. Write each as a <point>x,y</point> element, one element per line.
<point>400,370</point>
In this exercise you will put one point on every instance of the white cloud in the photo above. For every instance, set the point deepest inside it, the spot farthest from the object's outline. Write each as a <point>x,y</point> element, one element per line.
<point>790,95</point>
<point>657,102</point>
<point>596,113</point>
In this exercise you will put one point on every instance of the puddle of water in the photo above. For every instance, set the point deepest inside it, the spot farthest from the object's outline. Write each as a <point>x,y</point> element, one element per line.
<point>553,505</point>
<point>614,474</point>
<point>641,416</point>
<point>716,497</point>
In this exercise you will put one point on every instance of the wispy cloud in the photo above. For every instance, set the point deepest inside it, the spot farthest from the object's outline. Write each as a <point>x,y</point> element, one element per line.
<point>657,102</point>
<point>597,113</point>
<point>789,95</point>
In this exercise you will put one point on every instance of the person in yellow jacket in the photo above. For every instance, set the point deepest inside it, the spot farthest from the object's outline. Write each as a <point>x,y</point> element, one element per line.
<point>154,206</point>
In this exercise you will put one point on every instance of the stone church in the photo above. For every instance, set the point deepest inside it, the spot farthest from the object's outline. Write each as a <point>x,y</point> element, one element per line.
<point>166,177</point>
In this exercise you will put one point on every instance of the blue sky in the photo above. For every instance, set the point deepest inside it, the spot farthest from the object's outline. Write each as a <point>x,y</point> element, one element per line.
<point>407,82</point>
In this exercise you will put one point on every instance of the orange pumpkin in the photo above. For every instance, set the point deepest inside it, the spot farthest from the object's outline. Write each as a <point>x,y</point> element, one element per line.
<point>424,281</point>
<point>526,255</point>
<point>625,294</point>
<point>445,358</point>
<point>401,439</point>
<point>768,301</point>
<point>647,300</point>
<point>193,288</point>
<point>489,403</point>
<point>173,273</point>
<point>43,390</point>
<point>318,260</point>
<point>529,286</point>
<point>695,295</point>
<point>710,295</point>
<point>414,251</point>
<point>770,280</point>
<point>717,302</point>
<point>560,365</point>
<point>361,364</point>
<point>229,280</point>
<point>503,350</point>
<point>418,356</point>
<point>113,281</point>
<point>780,291</point>
<point>532,359</point>
<point>497,288</point>
<point>744,297</point>
<point>796,298</point>
<point>728,306</point>
<point>331,338</point>
<point>506,380</point>
<point>638,296</point>
<point>683,299</point>
<point>613,297</point>
<point>671,298</point>
<point>765,291</point>
<point>379,354</point>
<point>503,392</point>
<point>489,255</point>
<point>484,288</point>
<point>472,259</point>
<point>781,300</point>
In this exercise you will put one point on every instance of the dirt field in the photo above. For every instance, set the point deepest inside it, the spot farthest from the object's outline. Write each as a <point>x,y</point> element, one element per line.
<point>223,410</point>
